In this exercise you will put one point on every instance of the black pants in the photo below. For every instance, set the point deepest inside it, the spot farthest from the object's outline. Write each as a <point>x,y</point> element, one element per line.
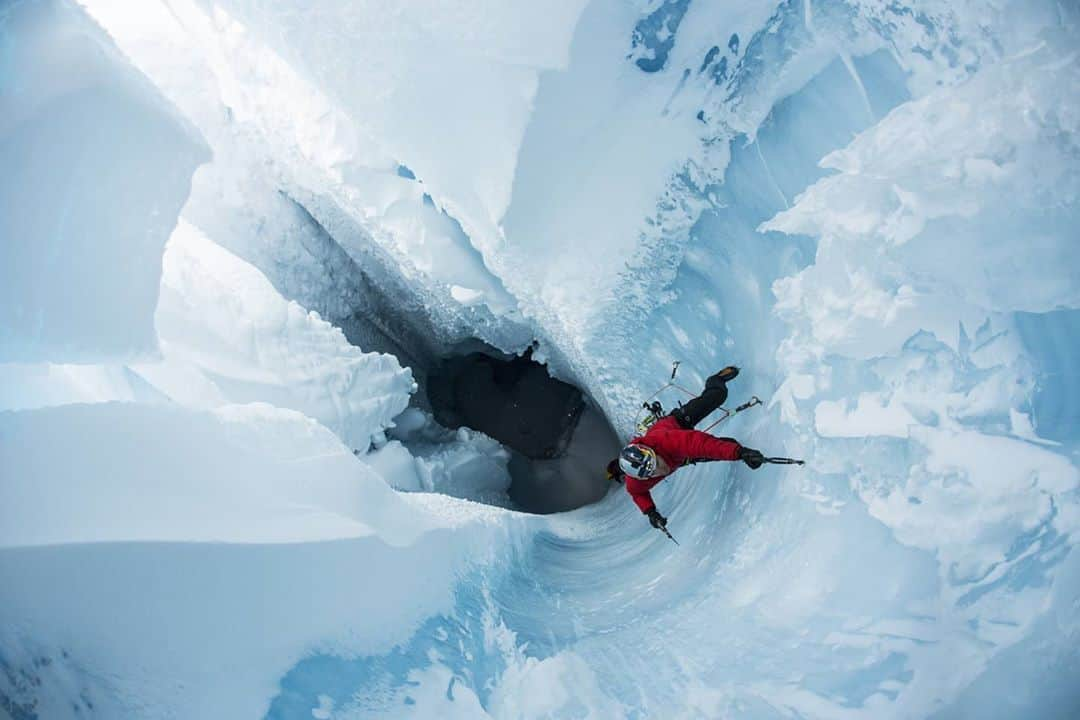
<point>693,412</point>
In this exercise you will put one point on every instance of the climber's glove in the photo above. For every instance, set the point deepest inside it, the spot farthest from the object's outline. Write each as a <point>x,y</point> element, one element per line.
<point>751,457</point>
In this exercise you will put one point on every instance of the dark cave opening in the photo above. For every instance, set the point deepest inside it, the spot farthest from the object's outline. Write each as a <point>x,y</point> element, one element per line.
<point>559,440</point>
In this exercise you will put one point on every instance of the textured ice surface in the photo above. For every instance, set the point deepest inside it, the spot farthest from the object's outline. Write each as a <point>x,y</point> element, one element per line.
<point>220,315</point>
<point>870,206</point>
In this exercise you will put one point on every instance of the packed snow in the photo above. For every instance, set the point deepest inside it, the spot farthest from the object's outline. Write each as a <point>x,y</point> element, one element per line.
<point>238,235</point>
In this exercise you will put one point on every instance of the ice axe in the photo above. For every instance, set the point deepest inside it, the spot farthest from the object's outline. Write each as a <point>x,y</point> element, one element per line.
<point>663,529</point>
<point>754,400</point>
<point>783,461</point>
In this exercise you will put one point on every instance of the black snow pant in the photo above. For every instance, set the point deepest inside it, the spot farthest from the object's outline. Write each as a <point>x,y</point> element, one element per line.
<point>694,411</point>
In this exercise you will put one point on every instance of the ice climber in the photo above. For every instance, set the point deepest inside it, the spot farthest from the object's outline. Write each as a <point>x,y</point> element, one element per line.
<point>672,442</point>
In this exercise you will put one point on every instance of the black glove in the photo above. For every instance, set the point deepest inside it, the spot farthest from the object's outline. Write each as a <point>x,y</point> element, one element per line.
<point>657,520</point>
<point>751,457</point>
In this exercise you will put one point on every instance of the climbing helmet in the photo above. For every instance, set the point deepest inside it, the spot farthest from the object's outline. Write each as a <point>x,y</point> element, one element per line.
<point>638,461</point>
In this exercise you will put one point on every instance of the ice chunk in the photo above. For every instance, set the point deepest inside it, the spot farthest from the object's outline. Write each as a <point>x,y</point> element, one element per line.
<point>299,187</point>
<point>96,168</point>
<point>920,227</point>
<point>480,59</point>
<point>219,314</point>
<point>465,296</point>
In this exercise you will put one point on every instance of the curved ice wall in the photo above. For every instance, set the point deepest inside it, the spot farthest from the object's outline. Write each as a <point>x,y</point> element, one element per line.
<point>869,206</point>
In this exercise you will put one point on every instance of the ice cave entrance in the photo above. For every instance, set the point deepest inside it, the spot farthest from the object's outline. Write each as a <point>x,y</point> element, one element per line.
<point>559,440</point>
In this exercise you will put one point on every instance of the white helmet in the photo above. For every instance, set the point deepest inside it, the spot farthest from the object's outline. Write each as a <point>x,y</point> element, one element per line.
<point>638,461</point>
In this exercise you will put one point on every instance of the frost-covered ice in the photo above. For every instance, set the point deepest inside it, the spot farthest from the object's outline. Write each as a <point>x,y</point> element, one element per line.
<point>229,512</point>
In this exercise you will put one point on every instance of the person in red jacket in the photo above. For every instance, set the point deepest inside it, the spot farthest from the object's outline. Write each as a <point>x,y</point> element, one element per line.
<point>672,442</point>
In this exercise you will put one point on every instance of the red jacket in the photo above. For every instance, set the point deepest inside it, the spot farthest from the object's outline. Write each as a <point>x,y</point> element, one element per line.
<point>677,446</point>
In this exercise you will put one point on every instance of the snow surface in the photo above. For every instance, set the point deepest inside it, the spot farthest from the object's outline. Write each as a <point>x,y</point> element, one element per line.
<point>870,206</point>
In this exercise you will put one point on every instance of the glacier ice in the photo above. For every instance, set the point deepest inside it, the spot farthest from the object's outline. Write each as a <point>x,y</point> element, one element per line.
<point>222,494</point>
<point>191,512</point>
<point>221,316</point>
<point>98,165</point>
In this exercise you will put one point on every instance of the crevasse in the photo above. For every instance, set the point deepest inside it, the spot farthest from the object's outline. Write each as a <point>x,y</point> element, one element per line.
<point>239,234</point>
